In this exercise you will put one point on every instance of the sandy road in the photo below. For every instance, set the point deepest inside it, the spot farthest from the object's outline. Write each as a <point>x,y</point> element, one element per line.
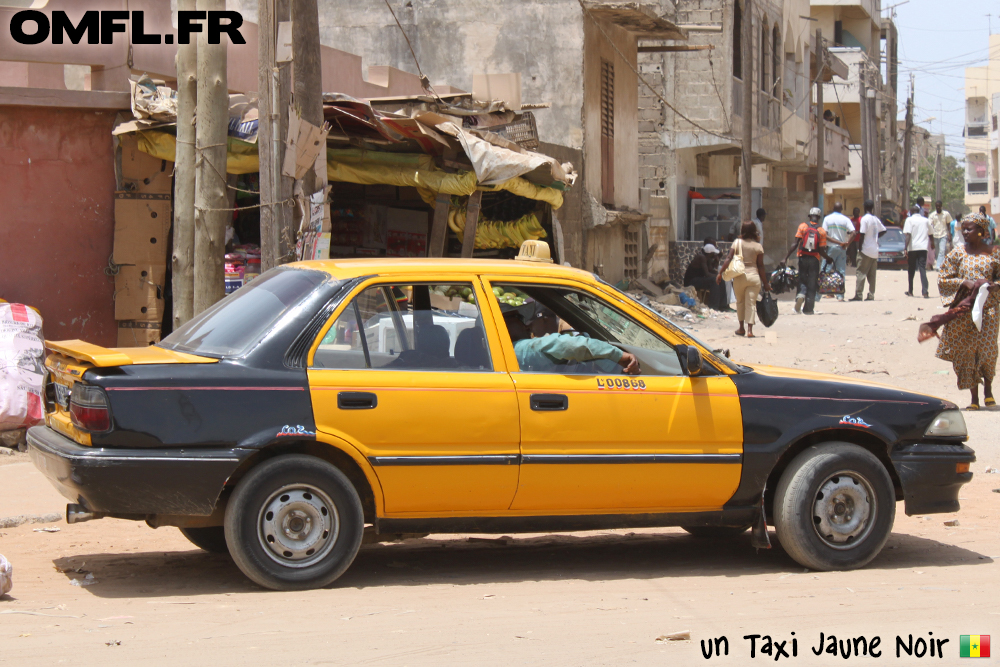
<point>585,598</point>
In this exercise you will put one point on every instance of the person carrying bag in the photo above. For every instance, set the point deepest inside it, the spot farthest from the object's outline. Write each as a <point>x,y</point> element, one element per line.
<point>745,266</point>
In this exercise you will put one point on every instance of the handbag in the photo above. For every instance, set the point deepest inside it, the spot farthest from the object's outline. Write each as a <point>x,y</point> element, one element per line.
<point>831,282</point>
<point>767,309</point>
<point>736,266</point>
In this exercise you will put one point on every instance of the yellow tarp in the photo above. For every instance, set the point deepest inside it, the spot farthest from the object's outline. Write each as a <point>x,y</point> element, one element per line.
<point>365,168</point>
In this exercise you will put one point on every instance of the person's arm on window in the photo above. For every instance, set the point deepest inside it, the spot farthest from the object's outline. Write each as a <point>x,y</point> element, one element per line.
<point>562,347</point>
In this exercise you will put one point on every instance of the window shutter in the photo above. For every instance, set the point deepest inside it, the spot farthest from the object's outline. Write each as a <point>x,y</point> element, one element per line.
<point>607,132</point>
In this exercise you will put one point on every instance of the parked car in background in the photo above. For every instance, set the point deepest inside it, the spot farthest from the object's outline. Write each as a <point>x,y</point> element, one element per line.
<point>892,249</point>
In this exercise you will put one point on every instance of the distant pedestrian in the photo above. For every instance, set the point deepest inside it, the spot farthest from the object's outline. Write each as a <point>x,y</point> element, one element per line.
<point>747,286</point>
<point>871,229</point>
<point>701,272</point>
<point>852,247</point>
<point>810,242</point>
<point>758,221</point>
<point>972,350</point>
<point>940,228</point>
<point>992,237</point>
<point>839,232</point>
<point>957,240</point>
<point>917,229</point>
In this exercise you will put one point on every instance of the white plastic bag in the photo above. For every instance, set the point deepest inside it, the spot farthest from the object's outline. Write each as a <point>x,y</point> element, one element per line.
<point>22,369</point>
<point>977,307</point>
<point>6,576</point>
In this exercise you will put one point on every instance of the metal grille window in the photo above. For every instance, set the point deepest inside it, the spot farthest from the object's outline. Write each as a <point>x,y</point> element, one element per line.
<point>607,132</point>
<point>631,260</point>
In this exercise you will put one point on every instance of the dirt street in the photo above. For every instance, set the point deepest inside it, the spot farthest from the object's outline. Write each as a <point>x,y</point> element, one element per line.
<point>588,598</point>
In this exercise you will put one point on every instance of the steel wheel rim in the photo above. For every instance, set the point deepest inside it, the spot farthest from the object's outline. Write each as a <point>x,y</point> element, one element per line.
<point>844,510</point>
<point>298,525</point>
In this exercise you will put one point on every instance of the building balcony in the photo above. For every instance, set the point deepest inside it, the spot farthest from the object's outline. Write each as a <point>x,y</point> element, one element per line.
<point>836,149</point>
<point>977,186</point>
<point>976,130</point>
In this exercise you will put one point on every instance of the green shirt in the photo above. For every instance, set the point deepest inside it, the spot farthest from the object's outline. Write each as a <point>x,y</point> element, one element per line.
<point>542,354</point>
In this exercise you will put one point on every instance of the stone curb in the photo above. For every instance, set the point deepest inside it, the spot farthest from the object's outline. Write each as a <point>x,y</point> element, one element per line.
<point>15,521</point>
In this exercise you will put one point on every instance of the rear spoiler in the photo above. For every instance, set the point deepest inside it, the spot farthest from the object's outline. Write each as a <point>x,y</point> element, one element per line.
<point>103,357</point>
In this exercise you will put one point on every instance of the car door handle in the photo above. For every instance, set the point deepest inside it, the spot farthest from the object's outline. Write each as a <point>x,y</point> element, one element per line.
<point>549,402</point>
<point>356,400</point>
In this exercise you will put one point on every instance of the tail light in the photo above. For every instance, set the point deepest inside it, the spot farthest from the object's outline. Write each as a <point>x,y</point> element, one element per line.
<point>88,408</point>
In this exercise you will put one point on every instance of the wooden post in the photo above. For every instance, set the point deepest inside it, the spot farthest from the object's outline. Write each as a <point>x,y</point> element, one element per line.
<point>211,200</point>
<point>746,162</point>
<point>308,75</point>
<point>471,222</point>
<point>266,108</point>
<point>907,148</point>
<point>820,123</point>
<point>182,261</point>
<point>439,227</point>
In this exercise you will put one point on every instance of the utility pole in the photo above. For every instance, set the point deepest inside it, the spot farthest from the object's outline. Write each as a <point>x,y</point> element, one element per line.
<point>937,175</point>
<point>747,111</point>
<point>866,135</point>
<point>308,75</point>
<point>211,201</point>
<point>277,238</point>
<point>182,261</point>
<point>907,148</point>
<point>820,123</point>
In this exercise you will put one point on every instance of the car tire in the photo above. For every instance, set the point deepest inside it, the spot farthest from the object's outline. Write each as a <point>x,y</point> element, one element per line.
<point>716,532</point>
<point>293,523</point>
<point>212,539</point>
<point>834,507</point>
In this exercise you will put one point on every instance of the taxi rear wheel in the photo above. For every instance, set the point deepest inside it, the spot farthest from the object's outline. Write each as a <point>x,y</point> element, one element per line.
<point>294,522</point>
<point>834,507</point>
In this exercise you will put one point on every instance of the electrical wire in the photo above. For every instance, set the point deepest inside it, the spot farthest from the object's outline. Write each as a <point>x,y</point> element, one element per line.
<point>424,81</point>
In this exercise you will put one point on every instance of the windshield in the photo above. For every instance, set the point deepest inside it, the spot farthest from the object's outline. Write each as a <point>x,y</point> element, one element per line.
<point>678,329</point>
<point>230,327</point>
<point>892,235</point>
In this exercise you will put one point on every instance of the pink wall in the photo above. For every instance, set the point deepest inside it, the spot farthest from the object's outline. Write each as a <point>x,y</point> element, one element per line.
<point>57,218</point>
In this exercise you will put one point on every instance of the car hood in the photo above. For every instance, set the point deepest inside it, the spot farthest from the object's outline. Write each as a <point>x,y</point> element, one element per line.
<point>799,374</point>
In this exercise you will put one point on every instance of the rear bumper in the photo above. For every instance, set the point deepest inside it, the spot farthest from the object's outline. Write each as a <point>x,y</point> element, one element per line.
<point>134,481</point>
<point>927,473</point>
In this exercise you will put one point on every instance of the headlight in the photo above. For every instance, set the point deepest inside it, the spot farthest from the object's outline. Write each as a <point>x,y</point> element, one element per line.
<point>950,423</point>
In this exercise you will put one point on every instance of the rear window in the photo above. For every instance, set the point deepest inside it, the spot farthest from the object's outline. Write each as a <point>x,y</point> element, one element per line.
<point>233,325</point>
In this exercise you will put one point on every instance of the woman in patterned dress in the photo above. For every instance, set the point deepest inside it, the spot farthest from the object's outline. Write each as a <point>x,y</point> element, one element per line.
<point>972,352</point>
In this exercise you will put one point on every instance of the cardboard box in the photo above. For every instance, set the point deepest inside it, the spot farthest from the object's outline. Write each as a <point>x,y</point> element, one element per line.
<point>139,292</point>
<point>138,334</point>
<point>142,172</point>
<point>142,225</point>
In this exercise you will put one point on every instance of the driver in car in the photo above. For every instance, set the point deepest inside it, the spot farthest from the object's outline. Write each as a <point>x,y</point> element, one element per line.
<point>539,347</point>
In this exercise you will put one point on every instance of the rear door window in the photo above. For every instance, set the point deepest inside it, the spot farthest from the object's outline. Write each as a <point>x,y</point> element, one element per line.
<point>422,327</point>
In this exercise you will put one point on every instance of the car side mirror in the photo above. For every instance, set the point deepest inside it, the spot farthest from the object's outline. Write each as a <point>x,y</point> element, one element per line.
<point>691,357</point>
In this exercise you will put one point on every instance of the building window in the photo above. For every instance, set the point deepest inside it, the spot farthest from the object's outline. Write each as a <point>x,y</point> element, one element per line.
<point>838,33</point>
<point>737,41</point>
<point>776,62</point>
<point>763,58</point>
<point>631,255</point>
<point>607,132</point>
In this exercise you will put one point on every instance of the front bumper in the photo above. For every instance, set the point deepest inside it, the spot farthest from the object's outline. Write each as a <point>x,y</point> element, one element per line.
<point>929,478</point>
<point>134,481</point>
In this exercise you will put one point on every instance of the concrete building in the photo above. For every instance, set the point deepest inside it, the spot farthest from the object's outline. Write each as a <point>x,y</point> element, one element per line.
<point>580,62</point>
<point>982,105</point>
<point>691,124</point>
<point>864,104</point>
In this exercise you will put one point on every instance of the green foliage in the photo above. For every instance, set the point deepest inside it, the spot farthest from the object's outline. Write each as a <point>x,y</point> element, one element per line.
<point>952,186</point>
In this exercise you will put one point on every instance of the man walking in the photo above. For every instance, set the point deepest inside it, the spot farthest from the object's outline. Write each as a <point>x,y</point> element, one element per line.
<point>810,241</point>
<point>916,229</point>
<point>871,229</point>
<point>852,247</point>
<point>839,232</point>
<point>940,228</point>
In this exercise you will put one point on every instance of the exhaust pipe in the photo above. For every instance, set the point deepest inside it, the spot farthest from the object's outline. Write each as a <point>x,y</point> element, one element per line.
<point>78,514</point>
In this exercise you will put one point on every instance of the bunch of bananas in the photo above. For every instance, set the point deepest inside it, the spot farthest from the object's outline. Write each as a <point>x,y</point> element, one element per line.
<point>496,234</point>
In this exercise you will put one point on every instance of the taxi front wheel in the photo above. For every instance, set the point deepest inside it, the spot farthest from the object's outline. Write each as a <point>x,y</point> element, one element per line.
<point>293,523</point>
<point>834,507</point>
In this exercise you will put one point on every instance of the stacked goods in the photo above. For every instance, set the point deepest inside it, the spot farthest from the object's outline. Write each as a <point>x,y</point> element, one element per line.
<point>497,234</point>
<point>142,236</point>
<point>22,374</point>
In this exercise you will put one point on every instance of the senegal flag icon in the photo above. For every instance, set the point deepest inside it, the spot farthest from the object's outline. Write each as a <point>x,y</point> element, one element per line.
<point>975,646</point>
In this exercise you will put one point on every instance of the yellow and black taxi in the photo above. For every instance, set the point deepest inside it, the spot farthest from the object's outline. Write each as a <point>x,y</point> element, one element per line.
<point>422,395</point>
